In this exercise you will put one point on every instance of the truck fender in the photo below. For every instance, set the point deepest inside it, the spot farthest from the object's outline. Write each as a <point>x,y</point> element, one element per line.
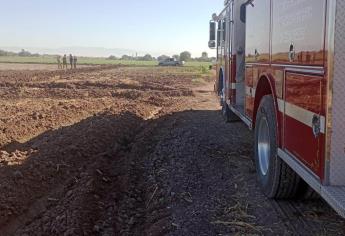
<point>266,86</point>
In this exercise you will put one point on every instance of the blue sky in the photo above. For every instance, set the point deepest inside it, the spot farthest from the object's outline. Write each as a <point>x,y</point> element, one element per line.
<point>153,26</point>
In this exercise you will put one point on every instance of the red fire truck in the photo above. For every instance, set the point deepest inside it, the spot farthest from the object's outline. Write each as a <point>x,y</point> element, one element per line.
<point>281,70</point>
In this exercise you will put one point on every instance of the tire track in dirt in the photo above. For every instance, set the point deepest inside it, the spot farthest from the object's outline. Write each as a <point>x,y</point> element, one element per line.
<point>197,177</point>
<point>308,217</point>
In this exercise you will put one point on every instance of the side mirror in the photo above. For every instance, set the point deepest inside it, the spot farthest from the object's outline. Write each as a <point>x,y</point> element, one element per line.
<point>212,44</point>
<point>212,41</point>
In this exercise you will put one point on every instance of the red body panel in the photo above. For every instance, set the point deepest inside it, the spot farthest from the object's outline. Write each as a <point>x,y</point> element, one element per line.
<point>232,69</point>
<point>300,141</point>
<point>305,91</point>
<point>249,105</point>
<point>285,53</point>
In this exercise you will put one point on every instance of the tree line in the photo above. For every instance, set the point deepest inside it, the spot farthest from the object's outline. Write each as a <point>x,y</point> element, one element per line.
<point>22,53</point>
<point>183,56</point>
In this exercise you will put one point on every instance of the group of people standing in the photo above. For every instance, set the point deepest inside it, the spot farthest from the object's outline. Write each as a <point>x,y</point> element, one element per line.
<point>72,60</point>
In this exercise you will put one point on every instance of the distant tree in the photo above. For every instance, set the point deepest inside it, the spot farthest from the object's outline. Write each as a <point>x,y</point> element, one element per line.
<point>3,53</point>
<point>6,53</point>
<point>126,58</point>
<point>24,53</point>
<point>147,57</point>
<point>162,58</point>
<point>177,57</point>
<point>204,57</point>
<point>112,57</point>
<point>185,56</point>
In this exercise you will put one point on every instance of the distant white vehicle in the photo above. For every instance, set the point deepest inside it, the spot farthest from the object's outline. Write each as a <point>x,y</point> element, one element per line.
<point>171,62</point>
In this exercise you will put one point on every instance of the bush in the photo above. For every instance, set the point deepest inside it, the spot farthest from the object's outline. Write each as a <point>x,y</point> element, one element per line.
<point>24,53</point>
<point>112,57</point>
<point>204,70</point>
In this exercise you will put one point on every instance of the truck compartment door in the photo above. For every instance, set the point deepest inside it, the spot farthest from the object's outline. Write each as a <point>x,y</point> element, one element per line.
<point>304,120</point>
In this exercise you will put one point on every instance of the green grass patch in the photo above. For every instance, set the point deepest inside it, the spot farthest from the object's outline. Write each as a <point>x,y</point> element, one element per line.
<point>89,61</point>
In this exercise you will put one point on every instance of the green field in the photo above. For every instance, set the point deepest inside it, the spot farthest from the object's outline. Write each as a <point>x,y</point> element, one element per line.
<point>88,61</point>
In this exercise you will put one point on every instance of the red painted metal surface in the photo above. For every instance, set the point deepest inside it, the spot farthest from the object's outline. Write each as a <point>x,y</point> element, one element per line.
<point>305,91</point>
<point>232,80</point>
<point>301,142</point>
<point>281,35</point>
<point>249,102</point>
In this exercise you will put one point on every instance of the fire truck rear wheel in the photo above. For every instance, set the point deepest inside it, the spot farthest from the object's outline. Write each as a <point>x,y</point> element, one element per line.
<point>276,178</point>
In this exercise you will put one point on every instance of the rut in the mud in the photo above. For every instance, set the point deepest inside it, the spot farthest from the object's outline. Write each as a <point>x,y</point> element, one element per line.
<point>197,178</point>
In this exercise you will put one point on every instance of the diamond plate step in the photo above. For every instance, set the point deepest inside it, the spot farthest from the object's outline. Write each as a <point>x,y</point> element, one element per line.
<point>335,196</point>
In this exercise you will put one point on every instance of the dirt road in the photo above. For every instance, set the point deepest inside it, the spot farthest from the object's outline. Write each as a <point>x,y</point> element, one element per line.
<point>133,151</point>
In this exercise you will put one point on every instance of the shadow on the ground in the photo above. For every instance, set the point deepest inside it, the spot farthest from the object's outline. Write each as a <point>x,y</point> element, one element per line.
<point>42,167</point>
<point>114,174</point>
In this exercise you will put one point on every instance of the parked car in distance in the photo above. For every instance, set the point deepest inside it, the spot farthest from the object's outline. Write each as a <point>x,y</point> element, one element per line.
<point>171,62</point>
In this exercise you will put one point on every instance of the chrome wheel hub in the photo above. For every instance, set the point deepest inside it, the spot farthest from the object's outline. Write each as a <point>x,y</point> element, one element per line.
<point>264,146</point>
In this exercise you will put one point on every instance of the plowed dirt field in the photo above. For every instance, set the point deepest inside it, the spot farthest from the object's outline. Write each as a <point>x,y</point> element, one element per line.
<point>114,150</point>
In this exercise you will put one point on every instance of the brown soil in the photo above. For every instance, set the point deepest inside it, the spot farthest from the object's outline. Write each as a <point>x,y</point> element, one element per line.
<point>31,66</point>
<point>133,151</point>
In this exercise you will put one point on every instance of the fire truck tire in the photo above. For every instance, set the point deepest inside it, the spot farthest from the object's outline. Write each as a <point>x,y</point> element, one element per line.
<point>228,114</point>
<point>276,178</point>
<point>305,192</point>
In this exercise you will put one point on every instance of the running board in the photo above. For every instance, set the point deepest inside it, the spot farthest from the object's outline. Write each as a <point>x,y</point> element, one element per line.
<point>333,195</point>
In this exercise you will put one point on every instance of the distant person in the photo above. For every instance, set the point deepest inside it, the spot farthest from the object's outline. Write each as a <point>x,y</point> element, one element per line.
<point>64,61</point>
<point>71,60</point>
<point>75,60</point>
<point>58,58</point>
